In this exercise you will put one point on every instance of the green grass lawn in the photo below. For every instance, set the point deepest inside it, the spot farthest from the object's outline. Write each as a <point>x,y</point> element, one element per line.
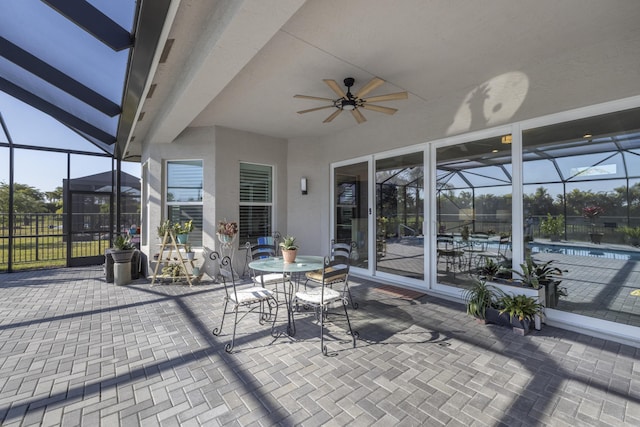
<point>48,251</point>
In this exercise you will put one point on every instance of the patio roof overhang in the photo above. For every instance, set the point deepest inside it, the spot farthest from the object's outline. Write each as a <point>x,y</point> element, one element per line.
<point>86,65</point>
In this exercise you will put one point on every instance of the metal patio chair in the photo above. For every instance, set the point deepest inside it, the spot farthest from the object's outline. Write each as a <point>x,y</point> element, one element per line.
<point>322,297</point>
<point>243,300</point>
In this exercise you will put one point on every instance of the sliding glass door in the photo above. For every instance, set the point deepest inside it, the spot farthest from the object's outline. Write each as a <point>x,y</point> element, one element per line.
<point>400,215</point>
<point>351,210</point>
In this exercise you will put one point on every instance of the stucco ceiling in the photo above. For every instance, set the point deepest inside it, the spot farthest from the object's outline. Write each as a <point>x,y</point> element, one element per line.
<point>238,64</point>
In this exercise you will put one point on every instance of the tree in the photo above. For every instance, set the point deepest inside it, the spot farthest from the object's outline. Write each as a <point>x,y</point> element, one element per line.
<point>26,199</point>
<point>54,200</point>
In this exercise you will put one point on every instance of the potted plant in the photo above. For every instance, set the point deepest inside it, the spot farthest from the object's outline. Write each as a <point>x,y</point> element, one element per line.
<point>632,234</point>
<point>552,227</point>
<point>522,310</point>
<point>122,249</point>
<point>182,231</point>
<point>483,301</point>
<point>226,231</point>
<point>465,233</point>
<point>489,269</point>
<point>289,249</point>
<point>591,213</point>
<point>189,251</point>
<point>163,228</point>
<point>536,275</point>
<point>175,271</point>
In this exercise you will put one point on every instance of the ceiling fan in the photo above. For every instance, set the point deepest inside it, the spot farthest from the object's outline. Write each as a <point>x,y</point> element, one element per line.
<point>353,103</point>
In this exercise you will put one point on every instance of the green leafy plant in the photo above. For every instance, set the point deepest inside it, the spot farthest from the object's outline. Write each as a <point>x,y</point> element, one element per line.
<point>552,226</point>
<point>184,228</point>
<point>481,296</point>
<point>123,242</point>
<point>465,233</point>
<point>289,243</point>
<point>632,233</point>
<point>534,275</point>
<point>163,228</point>
<point>490,269</point>
<point>521,307</point>
<point>175,271</point>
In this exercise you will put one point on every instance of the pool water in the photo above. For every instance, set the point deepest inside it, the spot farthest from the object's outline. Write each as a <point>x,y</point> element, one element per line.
<point>582,251</point>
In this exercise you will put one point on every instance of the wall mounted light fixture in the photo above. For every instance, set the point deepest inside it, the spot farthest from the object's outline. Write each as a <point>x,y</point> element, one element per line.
<point>303,185</point>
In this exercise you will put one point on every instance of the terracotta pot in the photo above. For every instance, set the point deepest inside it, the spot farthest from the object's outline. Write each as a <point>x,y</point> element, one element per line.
<point>289,255</point>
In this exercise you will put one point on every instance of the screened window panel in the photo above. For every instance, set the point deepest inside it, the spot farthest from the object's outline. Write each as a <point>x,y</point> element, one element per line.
<point>540,171</point>
<point>592,166</point>
<point>632,161</point>
<point>256,183</point>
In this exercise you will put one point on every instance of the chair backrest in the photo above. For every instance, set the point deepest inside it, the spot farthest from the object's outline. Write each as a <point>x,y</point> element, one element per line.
<point>261,250</point>
<point>265,247</point>
<point>225,271</point>
<point>334,272</point>
<point>341,252</point>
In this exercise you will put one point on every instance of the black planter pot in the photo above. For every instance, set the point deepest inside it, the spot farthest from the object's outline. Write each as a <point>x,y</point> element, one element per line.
<point>520,326</point>
<point>596,238</point>
<point>122,255</point>
<point>492,315</point>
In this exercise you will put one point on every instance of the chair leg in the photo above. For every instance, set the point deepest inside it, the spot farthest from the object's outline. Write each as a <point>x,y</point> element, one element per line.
<point>347,291</point>
<point>229,347</point>
<point>274,334</point>
<point>218,331</point>
<point>354,334</point>
<point>323,347</point>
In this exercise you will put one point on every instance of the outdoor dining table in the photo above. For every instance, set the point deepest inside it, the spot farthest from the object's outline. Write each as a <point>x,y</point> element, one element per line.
<point>302,264</point>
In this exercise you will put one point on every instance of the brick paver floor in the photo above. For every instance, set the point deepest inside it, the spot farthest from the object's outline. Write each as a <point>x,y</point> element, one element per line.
<point>75,350</point>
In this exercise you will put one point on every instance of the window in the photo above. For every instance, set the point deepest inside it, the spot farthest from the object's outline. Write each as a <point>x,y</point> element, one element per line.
<point>184,195</point>
<point>256,201</point>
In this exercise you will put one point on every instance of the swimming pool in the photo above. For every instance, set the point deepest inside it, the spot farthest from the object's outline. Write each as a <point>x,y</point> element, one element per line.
<point>584,251</point>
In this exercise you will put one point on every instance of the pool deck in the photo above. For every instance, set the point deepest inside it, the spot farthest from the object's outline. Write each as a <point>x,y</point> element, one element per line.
<point>75,350</point>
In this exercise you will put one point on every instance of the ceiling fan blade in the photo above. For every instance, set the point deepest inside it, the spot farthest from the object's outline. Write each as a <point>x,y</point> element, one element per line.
<point>388,97</point>
<point>335,87</point>
<point>380,109</point>
<point>332,116</point>
<point>358,116</point>
<point>316,109</point>
<point>373,83</point>
<point>313,97</point>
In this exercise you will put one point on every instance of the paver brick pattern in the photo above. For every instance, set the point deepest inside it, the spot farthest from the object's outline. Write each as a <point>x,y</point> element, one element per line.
<point>75,350</point>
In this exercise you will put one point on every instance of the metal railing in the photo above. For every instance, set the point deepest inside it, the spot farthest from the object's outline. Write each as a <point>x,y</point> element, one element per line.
<point>40,240</point>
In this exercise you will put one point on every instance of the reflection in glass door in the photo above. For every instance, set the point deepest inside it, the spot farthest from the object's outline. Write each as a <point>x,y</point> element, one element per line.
<point>351,203</point>
<point>400,215</point>
<point>473,211</point>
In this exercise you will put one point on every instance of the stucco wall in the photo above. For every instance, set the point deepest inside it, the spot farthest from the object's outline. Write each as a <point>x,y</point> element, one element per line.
<point>221,151</point>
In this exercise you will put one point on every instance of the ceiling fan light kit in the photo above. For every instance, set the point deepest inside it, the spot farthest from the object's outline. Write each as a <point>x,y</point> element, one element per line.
<point>350,102</point>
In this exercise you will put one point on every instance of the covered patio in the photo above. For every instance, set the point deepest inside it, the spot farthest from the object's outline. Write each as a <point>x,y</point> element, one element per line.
<point>79,351</point>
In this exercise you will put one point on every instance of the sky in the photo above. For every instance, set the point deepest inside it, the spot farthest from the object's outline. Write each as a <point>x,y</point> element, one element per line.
<point>75,52</point>
<point>45,170</point>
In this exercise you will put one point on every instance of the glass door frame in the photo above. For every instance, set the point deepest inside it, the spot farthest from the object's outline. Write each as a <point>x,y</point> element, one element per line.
<point>406,281</point>
<point>332,214</point>
<point>517,220</point>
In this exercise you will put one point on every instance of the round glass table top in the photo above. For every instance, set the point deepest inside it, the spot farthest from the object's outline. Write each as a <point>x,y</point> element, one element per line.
<point>277,264</point>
